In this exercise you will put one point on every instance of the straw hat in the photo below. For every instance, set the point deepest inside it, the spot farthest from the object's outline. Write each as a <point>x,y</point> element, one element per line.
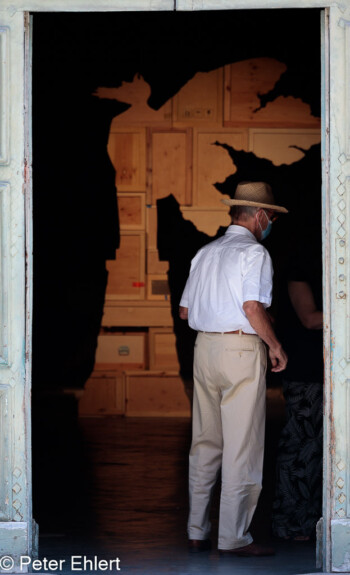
<point>257,194</point>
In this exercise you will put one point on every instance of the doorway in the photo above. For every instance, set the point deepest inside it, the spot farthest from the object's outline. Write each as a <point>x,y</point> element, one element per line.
<point>71,134</point>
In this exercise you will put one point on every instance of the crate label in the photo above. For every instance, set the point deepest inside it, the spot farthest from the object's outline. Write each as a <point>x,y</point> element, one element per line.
<point>124,350</point>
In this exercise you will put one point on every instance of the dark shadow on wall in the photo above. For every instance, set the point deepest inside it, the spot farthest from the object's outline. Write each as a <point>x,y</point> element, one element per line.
<point>76,227</point>
<point>296,186</point>
<point>75,209</point>
<point>178,241</point>
<point>75,230</point>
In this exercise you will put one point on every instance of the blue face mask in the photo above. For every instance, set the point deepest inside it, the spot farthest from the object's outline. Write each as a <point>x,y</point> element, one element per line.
<point>267,230</point>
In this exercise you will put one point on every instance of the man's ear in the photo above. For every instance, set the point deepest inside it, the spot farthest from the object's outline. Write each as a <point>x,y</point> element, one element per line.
<point>257,218</point>
<point>258,224</point>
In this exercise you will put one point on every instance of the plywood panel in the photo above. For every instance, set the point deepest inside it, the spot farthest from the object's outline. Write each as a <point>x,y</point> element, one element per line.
<point>120,351</point>
<point>207,221</point>
<point>170,161</point>
<point>136,313</point>
<point>162,349</point>
<point>127,151</point>
<point>213,164</point>
<point>245,80</point>
<point>200,101</point>
<point>132,210</point>
<point>155,394</point>
<point>104,394</point>
<point>126,274</point>
<point>154,265</point>
<point>281,146</point>
<point>151,227</point>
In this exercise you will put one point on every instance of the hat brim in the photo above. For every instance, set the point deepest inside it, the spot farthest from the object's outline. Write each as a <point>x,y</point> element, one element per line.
<point>234,202</point>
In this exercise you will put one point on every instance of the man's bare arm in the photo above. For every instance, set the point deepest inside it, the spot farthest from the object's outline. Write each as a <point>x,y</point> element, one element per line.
<point>260,321</point>
<point>303,301</point>
<point>183,312</point>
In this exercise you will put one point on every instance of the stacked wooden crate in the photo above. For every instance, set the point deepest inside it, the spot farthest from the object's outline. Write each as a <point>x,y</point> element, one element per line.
<point>171,151</point>
<point>136,373</point>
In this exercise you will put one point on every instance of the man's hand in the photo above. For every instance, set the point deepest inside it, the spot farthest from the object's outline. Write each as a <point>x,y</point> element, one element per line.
<point>260,321</point>
<point>183,312</point>
<point>278,359</point>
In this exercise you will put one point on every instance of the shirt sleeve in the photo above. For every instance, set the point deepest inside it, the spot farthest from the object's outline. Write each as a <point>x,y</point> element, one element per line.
<point>257,273</point>
<point>185,295</point>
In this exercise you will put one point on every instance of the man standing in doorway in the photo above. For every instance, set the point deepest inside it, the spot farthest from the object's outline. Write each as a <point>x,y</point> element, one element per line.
<point>225,299</point>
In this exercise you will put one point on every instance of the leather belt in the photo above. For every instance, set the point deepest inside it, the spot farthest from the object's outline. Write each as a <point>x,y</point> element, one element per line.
<point>237,331</point>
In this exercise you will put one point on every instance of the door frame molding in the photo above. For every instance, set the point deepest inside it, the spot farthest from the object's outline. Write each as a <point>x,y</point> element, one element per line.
<point>334,545</point>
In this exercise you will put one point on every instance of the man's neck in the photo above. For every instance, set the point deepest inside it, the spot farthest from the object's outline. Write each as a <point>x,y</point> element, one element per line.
<point>248,224</point>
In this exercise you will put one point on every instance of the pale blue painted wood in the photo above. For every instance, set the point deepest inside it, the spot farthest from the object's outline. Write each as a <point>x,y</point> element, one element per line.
<point>14,444</point>
<point>336,240</point>
<point>16,530</point>
<point>192,5</point>
<point>323,542</point>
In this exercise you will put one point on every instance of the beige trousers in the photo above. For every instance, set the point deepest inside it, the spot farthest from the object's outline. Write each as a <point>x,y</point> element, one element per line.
<point>228,433</point>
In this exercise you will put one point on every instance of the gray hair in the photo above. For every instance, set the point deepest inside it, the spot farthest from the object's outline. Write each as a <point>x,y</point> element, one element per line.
<point>242,212</point>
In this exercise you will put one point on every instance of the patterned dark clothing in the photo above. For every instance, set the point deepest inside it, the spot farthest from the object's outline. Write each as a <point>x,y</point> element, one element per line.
<point>298,498</point>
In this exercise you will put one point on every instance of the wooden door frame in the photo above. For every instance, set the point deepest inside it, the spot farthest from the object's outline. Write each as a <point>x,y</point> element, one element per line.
<point>336,254</point>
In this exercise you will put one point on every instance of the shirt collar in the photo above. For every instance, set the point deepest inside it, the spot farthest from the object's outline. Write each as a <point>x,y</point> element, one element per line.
<point>240,230</point>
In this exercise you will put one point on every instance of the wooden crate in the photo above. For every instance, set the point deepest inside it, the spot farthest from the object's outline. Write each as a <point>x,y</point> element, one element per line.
<point>137,313</point>
<point>132,210</point>
<point>158,287</point>
<point>151,227</point>
<point>155,394</point>
<point>127,151</point>
<point>162,349</point>
<point>104,394</point>
<point>170,165</point>
<point>126,274</point>
<point>153,263</point>
<point>245,80</point>
<point>121,351</point>
<point>281,145</point>
<point>212,164</point>
<point>200,101</point>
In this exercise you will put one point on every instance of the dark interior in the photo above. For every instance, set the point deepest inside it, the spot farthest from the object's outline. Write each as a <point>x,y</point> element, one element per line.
<point>76,214</point>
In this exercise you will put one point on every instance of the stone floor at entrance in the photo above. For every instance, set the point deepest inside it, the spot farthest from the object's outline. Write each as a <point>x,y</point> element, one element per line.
<point>110,495</point>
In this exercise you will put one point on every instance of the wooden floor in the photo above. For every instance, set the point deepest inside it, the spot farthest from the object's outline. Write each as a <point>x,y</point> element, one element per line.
<point>117,488</point>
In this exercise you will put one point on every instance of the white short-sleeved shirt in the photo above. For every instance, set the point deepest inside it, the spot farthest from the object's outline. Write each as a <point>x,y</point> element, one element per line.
<point>224,274</point>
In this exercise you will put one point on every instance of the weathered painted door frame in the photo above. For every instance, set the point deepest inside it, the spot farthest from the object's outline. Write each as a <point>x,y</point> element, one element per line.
<point>17,531</point>
<point>16,525</point>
